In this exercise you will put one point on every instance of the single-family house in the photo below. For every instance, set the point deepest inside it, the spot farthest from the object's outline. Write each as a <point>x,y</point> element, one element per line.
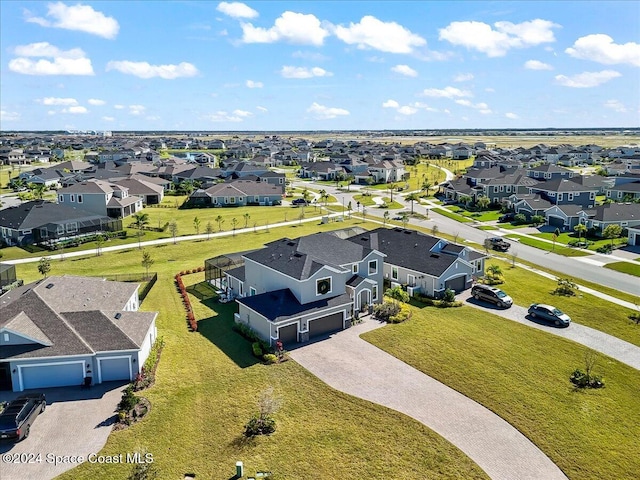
<point>626,215</point>
<point>61,330</point>
<point>295,290</point>
<point>238,193</point>
<point>562,191</point>
<point>101,197</point>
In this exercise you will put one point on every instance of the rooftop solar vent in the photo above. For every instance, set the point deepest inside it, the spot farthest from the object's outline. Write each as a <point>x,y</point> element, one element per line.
<point>118,315</point>
<point>49,286</point>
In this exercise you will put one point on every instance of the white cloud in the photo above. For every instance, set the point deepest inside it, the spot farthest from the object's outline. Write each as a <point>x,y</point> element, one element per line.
<point>137,109</point>
<point>447,92</point>
<point>223,116</point>
<point>146,70</point>
<point>51,112</point>
<point>481,107</point>
<point>407,110</point>
<point>311,56</point>
<point>58,101</point>
<point>304,72</point>
<point>600,48</point>
<point>7,116</point>
<point>236,10</point>
<point>490,90</point>
<point>405,70</point>
<point>242,113</point>
<point>119,107</point>
<point>252,84</point>
<point>75,110</point>
<point>463,77</point>
<point>390,104</point>
<point>262,109</point>
<point>108,119</point>
<point>615,105</point>
<point>65,62</point>
<point>95,101</point>
<point>495,43</point>
<point>290,27</point>
<point>325,113</point>
<point>587,79</point>
<point>384,36</point>
<point>511,115</point>
<point>537,65</point>
<point>77,17</point>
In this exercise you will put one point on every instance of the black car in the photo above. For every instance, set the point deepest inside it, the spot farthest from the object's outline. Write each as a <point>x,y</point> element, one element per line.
<point>507,217</point>
<point>498,243</point>
<point>18,416</point>
<point>300,201</point>
<point>491,294</point>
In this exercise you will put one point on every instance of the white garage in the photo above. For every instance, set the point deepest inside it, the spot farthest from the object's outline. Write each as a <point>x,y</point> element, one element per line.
<point>114,368</point>
<point>52,375</point>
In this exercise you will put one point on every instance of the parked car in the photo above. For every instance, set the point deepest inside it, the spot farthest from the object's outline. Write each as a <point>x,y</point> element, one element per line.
<point>16,419</point>
<point>300,201</point>
<point>507,217</point>
<point>491,294</point>
<point>550,314</point>
<point>499,244</point>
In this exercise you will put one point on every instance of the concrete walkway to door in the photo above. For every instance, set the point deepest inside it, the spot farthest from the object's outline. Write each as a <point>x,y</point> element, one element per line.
<point>351,365</point>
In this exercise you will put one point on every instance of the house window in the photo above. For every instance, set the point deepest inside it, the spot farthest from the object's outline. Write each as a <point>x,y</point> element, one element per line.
<point>60,229</point>
<point>374,292</point>
<point>61,198</point>
<point>592,196</point>
<point>394,273</point>
<point>373,267</point>
<point>570,195</point>
<point>44,233</point>
<point>354,268</point>
<point>323,286</point>
<point>232,200</point>
<point>72,198</point>
<point>6,337</point>
<point>281,181</point>
<point>26,232</point>
<point>72,227</point>
<point>560,197</point>
<point>252,291</point>
<point>241,289</point>
<point>239,199</point>
<point>79,198</point>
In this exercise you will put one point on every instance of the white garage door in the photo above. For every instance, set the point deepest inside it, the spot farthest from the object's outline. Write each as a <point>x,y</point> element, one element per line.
<point>56,375</point>
<point>115,369</point>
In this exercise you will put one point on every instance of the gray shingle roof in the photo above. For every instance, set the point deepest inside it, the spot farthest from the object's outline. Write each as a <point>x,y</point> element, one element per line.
<point>71,294</point>
<point>37,213</point>
<point>98,331</point>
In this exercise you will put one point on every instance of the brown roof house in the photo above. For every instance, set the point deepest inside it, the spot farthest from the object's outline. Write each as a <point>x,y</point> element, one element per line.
<point>63,330</point>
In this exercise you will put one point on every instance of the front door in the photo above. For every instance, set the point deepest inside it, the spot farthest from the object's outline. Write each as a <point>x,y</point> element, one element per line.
<point>5,377</point>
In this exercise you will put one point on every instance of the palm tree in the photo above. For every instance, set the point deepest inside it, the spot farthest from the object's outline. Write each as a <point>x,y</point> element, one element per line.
<point>580,229</point>
<point>483,202</point>
<point>246,217</point>
<point>494,270</point>
<point>405,219</point>
<point>234,222</point>
<point>465,199</point>
<point>412,197</point>
<point>140,220</point>
<point>38,190</point>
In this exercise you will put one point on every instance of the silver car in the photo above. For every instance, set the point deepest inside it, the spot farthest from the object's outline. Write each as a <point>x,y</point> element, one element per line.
<point>550,314</point>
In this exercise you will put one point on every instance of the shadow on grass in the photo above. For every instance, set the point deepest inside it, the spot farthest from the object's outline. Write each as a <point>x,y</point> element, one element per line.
<point>218,328</point>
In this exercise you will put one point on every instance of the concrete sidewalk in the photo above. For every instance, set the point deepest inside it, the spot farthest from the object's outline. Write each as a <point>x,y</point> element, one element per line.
<point>351,365</point>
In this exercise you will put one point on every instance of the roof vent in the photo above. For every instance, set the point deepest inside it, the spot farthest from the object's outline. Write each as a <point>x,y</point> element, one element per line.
<point>118,315</point>
<point>49,286</point>
<point>435,255</point>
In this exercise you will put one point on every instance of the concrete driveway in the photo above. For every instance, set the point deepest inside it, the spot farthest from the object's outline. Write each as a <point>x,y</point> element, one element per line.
<point>614,347</point>
<point>349,364</point>
<point>76,423</point>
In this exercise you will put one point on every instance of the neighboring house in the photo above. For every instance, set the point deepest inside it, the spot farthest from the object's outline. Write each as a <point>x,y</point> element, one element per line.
<point>321,170</point>
<point>101,197</point>
<point>425,264</point>
<point>295,290</point>
<point>39,221</point>
<point>150,192</point>
<point>564,192</point>
<point>564,217</point>
<point>529,204</point>
<point>59,330</point>
<point>388,171</point>
<point>625,192</point>
<point>454,190</point>
<point>238,193</point>
<point>499,189</point>
<point>626,215</point>
<point>49,177</point>
<point>549,172</point>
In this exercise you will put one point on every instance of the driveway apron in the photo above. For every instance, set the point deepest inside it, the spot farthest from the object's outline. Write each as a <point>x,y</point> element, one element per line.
<point>349,364</point>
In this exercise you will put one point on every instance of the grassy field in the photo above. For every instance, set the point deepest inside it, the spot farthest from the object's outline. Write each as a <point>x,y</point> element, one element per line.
<point>624,267</point>
<point>522,374</point>
<point>566,237</point>
<point>526,288</point>
<point>549,247</point>
<point>486,216</point>
<point>454,216</point>
<point>208,385</point>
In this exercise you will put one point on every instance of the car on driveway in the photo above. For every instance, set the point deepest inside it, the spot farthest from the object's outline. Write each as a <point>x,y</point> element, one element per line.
<point>299,201</point>
<point>490,294</point>
<point>18,416</point>
<point>550,314</point>
<point>507,217</point>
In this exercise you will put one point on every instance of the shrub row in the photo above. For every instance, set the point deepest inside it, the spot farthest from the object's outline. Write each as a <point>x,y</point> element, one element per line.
<point>191,319</point>
<point>189,272</point>
<point>148,374</point>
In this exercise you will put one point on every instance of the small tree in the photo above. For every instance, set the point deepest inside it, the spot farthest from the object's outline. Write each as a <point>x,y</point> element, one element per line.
<point>397,293</point>
<point>44,266</point>
<point>483,202</point>
<point>147,261</point>
<point>520,218</point>
<point>385,218</point>
<point>220,221</point>
<point>554,237</point>
<point>246,218</point>
<point>405,219</point>
<point>209,230</point>
<point>580,229</point>
<point>612,231</point>
<point>465,199</point>
<point>196,224</point>
<point>263,422</point>
<point>566,287</point>
<point>99,243</point>
<point>140,220</point>
<point>449,296</point>
<point>587,379</point>
<point>173,229</point>
<point>234,223</point>
<point>537,220</point>
<point>144,469</point>
<point>434,230</point>
<point>412,197</point>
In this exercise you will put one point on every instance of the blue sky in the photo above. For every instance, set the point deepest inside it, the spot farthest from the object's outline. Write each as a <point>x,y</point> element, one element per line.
<point>196,65</point>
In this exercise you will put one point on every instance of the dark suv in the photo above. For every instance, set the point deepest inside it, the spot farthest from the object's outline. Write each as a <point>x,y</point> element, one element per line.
<point>16,419</point>
<point>491,294</point>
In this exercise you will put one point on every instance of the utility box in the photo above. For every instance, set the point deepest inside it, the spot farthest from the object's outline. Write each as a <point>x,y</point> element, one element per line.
<point>239,470</point>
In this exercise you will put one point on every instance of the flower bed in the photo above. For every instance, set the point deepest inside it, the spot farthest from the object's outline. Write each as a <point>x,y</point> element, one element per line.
<point>191,319</point>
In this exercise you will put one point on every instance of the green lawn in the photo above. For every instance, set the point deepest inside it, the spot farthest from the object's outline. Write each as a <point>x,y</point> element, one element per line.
<point>208,385</point>
<point>549,247</point>
<point>453,216</point>
<point>624,267</point>
<point>566,237</point>
<point>366,200</point>
<point>526,288</point>
<point>486,216</point>
<point>488,227</point>
<point>5,176</point>
<point>522,374</point>
<point>392,205</point>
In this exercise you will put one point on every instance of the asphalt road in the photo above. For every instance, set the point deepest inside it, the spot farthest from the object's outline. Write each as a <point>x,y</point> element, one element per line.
<point>569,266</point>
